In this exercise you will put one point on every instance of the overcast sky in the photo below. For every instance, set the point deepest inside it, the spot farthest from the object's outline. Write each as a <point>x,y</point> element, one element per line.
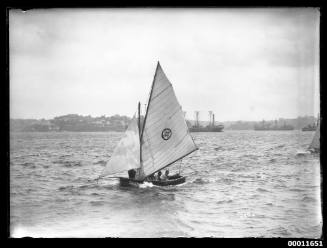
<point>243,64</point>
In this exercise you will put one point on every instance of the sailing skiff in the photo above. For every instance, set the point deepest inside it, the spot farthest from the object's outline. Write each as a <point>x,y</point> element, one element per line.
<point>160,141</point>
<point>315,144</point>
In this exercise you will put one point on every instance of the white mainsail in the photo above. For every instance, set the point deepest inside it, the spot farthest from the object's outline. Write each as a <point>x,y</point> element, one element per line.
<point>126,155</point>
<point>315,144</point>
<point>165,136</point>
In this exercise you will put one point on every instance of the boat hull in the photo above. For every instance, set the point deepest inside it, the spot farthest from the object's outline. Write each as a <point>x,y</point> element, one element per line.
<point>207,129</point>
<point>173,180</point>
<point>169,182</point>
<point>126,182</point>
<point>314,150</point>
<point>308,129</point>
<point>274,129</point>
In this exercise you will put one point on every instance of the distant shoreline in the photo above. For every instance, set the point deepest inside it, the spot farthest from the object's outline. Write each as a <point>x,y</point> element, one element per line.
<point>64,131</point>
<point>117,123</point>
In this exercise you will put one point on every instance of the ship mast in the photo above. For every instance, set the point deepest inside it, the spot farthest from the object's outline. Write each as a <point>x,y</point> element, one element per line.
<point>210,118</point>
<point>197,118</point>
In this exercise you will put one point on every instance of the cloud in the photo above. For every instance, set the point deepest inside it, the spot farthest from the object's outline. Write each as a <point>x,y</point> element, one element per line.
<point>227,60</point>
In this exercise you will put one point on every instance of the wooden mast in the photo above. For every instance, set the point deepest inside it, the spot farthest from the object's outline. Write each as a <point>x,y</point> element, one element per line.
<point>140,128</point>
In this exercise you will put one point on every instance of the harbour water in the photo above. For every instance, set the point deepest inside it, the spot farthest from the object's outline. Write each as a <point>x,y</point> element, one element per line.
<point>239,184</point>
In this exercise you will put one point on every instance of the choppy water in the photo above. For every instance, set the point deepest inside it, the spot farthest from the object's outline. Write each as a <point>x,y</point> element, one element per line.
<point>239,184</point>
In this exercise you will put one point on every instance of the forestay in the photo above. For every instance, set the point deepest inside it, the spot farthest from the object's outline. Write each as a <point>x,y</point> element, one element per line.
<point>315,144</point>
<point>165,135</point>
<point>126,155</point>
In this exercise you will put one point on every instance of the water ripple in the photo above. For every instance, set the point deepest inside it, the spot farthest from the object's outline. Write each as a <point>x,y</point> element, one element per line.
<point>239,184</point>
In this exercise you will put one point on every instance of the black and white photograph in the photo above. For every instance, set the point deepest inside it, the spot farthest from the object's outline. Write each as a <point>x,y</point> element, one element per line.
<point>165,122</point>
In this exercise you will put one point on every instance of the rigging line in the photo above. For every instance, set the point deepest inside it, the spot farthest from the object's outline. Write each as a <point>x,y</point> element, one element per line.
<point>100,177</point>
<point>180,165</point>
<point>188,131</point>
<point>175,161</point>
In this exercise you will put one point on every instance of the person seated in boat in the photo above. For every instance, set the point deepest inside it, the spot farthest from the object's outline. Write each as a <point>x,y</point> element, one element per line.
<point>159,176</point>
<point>165,176</point>
<point>131,174</point>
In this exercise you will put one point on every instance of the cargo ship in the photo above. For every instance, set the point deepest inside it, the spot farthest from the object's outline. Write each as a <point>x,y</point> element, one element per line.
<point>212,127</point>
<point>216,128</point>
<point>268,127</point>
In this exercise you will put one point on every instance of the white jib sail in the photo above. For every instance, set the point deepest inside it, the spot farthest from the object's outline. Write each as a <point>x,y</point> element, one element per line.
<point>126,155</point>
<point>166,138</point>
<point>315,144</point>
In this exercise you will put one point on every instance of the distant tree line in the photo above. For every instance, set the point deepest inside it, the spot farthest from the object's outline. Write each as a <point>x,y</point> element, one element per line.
<point>79,123</point>
<point>72,122</point>
<point>297,123</point>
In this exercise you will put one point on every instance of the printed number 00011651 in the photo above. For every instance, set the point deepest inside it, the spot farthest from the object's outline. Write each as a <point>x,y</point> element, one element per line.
<point>305,243</point>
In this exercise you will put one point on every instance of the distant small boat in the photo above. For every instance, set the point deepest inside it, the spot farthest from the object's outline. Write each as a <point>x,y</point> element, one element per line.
<point>315,144</point>
<point>302,153</point>
<point>267,127</point>
<point>310,128</point>
<point>160,141</point>
<point>281,128</point>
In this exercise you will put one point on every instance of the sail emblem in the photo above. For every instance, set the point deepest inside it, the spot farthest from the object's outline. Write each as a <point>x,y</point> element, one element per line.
<point>166,133</point>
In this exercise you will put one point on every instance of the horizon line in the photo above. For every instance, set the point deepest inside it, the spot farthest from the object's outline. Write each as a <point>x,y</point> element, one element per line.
<point>262,119</point>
